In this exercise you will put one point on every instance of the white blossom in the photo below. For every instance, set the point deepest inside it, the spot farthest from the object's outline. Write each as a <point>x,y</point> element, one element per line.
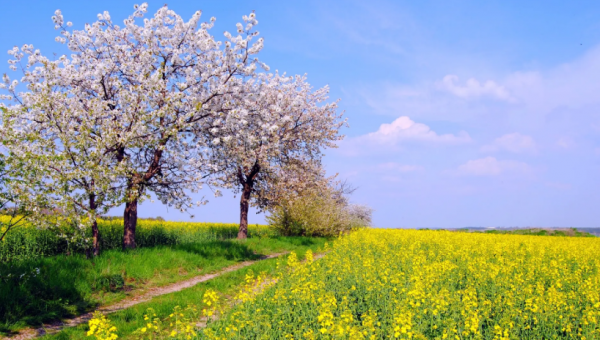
<point>127,112</point>
<point>278,138</point>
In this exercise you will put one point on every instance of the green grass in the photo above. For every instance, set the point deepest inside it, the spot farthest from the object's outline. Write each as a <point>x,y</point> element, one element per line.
<point>131,319</point>
<point>70,285</point>
<point>27,242</point>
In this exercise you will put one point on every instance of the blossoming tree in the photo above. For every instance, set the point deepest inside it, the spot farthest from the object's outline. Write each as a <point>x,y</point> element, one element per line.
<point>274,134</point>
<point>55,140</point>
<point>55,156</point>
<point>125,115</point>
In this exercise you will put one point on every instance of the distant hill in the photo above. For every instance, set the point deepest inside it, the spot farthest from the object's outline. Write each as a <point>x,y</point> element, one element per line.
<point>593,231</point>
<point>581,232</point>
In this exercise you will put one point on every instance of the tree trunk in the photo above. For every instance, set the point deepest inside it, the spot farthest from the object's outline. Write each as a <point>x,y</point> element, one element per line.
<point>244,205</point>
<point>95,233</point>
<point>95,240</point>
<point>129,224</point>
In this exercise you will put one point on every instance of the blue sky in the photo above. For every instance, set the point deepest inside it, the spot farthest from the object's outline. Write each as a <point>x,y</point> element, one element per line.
<point>462,113</point>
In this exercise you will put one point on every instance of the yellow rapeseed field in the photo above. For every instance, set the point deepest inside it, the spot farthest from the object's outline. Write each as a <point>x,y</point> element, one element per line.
<point>192,227</point>
<point>408,284</point>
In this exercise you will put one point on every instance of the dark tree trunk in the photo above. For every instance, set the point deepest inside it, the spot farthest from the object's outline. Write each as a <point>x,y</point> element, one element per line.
<point>95,233</point>
<point>247,182</point>
<point>136,186</point>
<point>244,205</point>
<point>129,224</point>
<point>95,240</point>
<point>130,212</point>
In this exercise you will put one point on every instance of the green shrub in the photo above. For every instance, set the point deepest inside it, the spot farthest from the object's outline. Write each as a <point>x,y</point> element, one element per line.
<point>318,213</point>
<point>109,282</point>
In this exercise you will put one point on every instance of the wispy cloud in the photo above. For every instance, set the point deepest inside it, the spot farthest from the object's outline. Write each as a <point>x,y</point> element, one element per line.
<point>490,166</point>
<point>391,28</point>
<point>512,142</point>
<point>565,142</point>
<point>536,96</point>
<point>472,88</point>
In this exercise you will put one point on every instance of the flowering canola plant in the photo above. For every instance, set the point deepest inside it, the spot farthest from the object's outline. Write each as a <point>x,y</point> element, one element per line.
<point>101,328</point>
<point>410,284</point>
<point>181,324</point>
<point>193,227</point>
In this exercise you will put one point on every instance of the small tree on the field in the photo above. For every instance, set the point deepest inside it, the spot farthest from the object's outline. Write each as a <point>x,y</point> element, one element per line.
<point>135,99</point>
<point>318,210</point>
<point>57,150</point>
<point>282,124</point>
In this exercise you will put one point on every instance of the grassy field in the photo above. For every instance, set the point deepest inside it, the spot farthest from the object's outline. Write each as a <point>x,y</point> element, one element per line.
<point>43,279</point>
<point>407,284</point>
<point>70,285</point>
<point>132,319</point>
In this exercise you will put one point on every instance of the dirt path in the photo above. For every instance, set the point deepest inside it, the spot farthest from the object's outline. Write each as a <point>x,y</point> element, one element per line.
<point>31,333</point>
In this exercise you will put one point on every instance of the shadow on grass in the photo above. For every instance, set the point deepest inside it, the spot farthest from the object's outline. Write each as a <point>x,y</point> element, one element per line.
<point>34,292</point>
<point>304,241</point>
<point>48,289</point>
<point>230,250</point>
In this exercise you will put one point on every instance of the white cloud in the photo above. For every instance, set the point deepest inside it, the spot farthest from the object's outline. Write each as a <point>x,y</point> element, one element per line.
<point>405,129</point>
<point>512,142</point>
<point>490,166</point>
<point>473,88</point>
<point>560,97</point>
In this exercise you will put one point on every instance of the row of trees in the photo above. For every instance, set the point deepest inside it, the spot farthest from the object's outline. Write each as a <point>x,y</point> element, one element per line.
<point>156,106</point>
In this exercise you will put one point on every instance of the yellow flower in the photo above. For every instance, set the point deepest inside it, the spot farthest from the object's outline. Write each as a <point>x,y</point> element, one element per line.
<point>412,284</point>
<point>101,328</point>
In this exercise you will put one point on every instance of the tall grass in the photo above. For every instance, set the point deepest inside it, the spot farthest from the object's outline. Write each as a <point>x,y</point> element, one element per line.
<point>28,242</point>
